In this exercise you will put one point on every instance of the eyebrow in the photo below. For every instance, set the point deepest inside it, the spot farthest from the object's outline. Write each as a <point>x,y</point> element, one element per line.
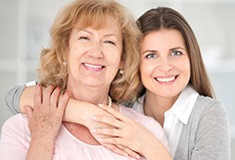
<point>176,48</point>
<point>172,49</point>
<point>106,35</point>
<point>149,50</point>
<point>111,34</point>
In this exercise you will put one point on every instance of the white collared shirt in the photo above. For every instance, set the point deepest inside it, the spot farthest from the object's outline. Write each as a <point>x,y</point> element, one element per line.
<point>176,116</point>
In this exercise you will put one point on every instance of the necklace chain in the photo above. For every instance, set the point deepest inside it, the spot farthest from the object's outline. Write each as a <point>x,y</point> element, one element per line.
<point>109,102</point>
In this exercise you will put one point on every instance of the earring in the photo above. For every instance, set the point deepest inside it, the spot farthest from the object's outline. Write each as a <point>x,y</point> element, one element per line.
<point>121,72</point>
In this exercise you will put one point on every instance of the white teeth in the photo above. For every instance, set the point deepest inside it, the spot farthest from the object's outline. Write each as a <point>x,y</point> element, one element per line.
<point>165,79</point>
<point>92,66</point>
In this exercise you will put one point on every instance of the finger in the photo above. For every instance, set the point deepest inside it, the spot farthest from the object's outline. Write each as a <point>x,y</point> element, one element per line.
<point>114,113</point>
<point>108,121</point>
<point>37,95</point>
<point>129,151</point>
<point>47,95</point>
<point>107,132</point>
<point>55,97</point>
<point>28,111</point>
<point>64,101</point>
<point>110,140</point>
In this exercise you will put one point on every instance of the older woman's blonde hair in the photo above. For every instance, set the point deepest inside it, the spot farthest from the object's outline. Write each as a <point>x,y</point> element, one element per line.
<point>93,13</point>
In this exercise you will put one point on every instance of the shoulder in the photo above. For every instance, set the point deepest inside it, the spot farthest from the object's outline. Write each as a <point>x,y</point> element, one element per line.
<point>206,132</point>
<point>15,121</point>
<point>206,106</point>
<point>209,118</point>
<point>15,126</point>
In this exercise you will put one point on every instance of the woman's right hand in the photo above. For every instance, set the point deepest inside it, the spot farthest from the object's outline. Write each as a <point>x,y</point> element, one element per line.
<point>46,117</point>
<point>44,121</point>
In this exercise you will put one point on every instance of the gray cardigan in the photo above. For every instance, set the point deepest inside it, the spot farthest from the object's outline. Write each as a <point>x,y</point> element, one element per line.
<point>205,137</point>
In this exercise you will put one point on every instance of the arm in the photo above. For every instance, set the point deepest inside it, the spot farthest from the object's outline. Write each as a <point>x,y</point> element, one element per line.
<point>12,98</point>
<point>45,121</point>
<point>20,96</point>
<point>24,96</point>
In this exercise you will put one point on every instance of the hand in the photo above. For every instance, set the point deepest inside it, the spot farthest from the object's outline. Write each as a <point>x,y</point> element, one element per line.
<point>116,132</point>
<point>90,124</point>
<point>46,117</point>
<point>126,133</point>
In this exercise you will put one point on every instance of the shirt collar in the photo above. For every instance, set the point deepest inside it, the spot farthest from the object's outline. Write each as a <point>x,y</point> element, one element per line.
<point>183,106</point>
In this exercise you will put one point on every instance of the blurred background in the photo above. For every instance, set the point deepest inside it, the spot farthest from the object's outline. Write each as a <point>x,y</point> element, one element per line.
<point>24,31</point>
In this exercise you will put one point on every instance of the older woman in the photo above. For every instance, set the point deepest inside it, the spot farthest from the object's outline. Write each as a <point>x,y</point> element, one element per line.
<point>93,43</point>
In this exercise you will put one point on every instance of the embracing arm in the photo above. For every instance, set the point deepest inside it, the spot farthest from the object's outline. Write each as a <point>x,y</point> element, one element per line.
<point>20,96</point>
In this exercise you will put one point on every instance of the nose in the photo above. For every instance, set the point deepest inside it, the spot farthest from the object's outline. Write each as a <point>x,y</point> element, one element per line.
<point>165,66</point>
<point>96,50</point>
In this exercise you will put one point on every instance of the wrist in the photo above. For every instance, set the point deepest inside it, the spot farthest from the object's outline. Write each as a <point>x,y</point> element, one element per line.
<point>159,153</point>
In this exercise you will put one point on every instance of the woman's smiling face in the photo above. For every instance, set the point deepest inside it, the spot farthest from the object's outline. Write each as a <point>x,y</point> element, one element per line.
<point>94,55</point>
<point>165,65</point>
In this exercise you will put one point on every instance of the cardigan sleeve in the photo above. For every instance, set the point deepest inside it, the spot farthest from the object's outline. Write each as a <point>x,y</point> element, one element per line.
<point>212,137</point>
<point>12,98</point>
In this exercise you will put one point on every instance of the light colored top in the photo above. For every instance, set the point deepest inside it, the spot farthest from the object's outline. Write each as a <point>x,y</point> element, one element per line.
<point>205,137</point>
<point>206,134</point>
<point>15,140</point>
<point>177,116</point>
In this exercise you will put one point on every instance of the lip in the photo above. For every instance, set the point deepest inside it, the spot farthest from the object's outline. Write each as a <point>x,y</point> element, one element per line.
<point>93,67</point>
<point>166,80</point>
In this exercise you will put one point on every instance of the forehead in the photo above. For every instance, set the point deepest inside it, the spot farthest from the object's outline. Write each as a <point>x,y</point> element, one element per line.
<point>163,38</point>
<point>96,20</point>
<point>108,26</point>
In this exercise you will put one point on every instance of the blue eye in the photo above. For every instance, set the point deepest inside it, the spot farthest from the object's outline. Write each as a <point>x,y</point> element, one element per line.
<point>151,55</point>
<point>176,53</point>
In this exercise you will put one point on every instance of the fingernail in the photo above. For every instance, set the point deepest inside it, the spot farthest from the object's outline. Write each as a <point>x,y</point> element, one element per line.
<point>101,105</point>
<point>126,155</point>
<point>94,117</point>
<point>137,156</point>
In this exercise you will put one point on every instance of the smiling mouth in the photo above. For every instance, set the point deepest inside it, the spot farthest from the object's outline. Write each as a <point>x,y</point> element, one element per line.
<point>93,66</point>
<point>166,79</point>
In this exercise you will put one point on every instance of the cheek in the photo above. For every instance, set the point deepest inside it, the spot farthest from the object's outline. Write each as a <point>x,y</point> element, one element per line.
<point>146,70</point>
<point>185,68</point>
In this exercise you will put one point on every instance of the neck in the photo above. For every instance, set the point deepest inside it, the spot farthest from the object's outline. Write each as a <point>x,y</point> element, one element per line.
<point>93,95</point>
<point>156,106</point>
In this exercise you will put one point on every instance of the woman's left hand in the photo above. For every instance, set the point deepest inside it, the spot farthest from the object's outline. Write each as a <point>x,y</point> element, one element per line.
<point>124,133</point>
